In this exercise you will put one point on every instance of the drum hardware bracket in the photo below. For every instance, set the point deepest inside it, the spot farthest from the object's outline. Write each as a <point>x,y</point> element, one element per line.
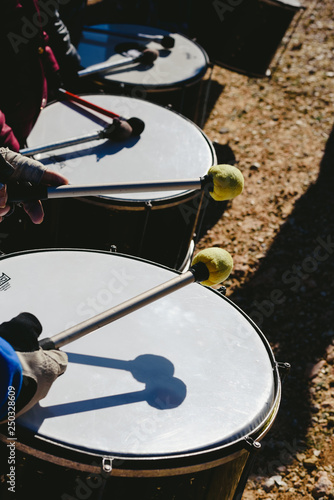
<point>222,290</point>
<point>253,447</point>
<point>148,208</point>
<point>113,249</point>
<point>207,95</point>
<point>252,444</point>
<point>282,365</point>
<point>283,368</point>
<point>107,464</point>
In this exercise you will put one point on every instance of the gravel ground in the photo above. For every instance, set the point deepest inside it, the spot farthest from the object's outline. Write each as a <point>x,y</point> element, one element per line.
<point>280,232</point>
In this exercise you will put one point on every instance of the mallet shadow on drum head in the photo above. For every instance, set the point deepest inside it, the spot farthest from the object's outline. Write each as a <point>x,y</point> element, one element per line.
<point>162,394</point>
<point>162,390</point>
<point>145,57</point>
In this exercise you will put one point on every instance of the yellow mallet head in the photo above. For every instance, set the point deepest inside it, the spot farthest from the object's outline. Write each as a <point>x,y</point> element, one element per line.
<point>218,262</point>
<point>228,182</point>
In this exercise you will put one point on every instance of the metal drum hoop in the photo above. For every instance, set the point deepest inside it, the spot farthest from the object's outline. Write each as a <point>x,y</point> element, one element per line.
<point>150,466</point>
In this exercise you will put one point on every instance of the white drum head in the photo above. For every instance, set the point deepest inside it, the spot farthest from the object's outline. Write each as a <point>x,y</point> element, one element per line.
<point>170,147</point>
<point>187,373</point>
<point>174,68</point>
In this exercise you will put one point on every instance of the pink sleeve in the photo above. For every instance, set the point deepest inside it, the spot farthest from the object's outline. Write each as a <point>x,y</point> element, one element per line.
<point>7,137</point>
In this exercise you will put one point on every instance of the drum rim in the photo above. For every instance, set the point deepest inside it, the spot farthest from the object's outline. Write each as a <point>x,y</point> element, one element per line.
<point>142,204</point>
<point>160,87</point>
<point>150,465</point>
<point>293,5</point>
<point>139,205</point>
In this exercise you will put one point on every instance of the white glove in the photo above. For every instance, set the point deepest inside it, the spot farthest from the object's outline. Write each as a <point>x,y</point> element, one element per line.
<point>40,369</point>
<point>24,168</point>
<point>16,167</point>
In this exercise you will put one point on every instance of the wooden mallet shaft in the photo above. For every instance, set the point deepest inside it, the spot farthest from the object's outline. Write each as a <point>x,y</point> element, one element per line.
<point>223,182</point>
<point>18,193</point>
<point>105,133</point>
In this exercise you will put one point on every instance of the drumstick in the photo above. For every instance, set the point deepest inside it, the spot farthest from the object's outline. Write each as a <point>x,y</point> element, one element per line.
<point>166,41</point>
<point>224,182</point>
<point>88,104</point>
<point>118,130</point>
<point>137,124</point>
<point>148,56</point>
<point>210,267</point>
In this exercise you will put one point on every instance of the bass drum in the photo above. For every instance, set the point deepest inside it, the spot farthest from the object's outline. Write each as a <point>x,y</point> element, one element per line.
<point>158,226</point>
<point>175,78</point>
<point>167,402</point>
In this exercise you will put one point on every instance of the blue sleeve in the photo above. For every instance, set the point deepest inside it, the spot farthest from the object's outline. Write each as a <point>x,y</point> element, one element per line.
<point>10,375</point>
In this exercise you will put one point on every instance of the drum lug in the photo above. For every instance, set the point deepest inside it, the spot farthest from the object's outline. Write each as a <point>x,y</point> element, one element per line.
<point>222,290</point>
<point>113,249</point>
<point>107,464</point>
<point>283,368</point>
<point>252,444</point>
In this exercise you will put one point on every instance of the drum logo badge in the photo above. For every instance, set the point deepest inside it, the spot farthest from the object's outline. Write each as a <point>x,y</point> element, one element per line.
<point>4,282</point>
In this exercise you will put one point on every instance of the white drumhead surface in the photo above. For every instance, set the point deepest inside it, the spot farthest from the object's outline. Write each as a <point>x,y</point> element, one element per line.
<point>172,69</point>
<point>170,147</point>
<point>185,373</point>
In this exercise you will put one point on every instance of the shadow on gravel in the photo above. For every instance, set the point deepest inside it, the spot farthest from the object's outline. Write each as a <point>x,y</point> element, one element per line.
<point>291,299</point>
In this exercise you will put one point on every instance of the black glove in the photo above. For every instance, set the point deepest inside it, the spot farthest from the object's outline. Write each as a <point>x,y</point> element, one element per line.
<point>22,332</point>
<point>39,368</point>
